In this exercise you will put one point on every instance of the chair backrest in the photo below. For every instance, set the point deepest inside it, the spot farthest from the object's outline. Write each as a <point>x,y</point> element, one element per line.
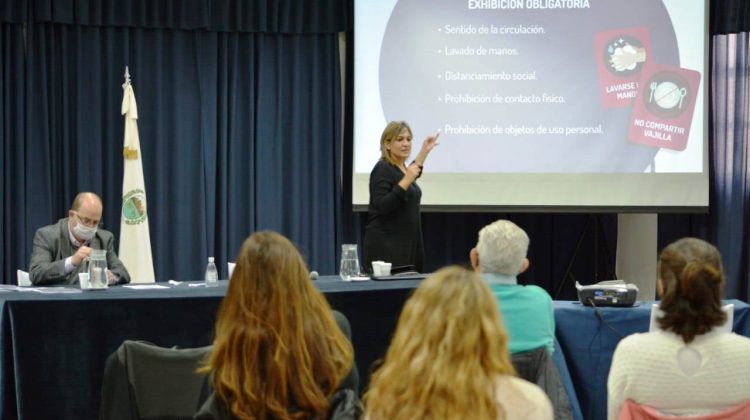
<point>631,410</point>
<point>345,405</point>
<point>145,381</point>
<point>22,278</point>
<point>537,367</point>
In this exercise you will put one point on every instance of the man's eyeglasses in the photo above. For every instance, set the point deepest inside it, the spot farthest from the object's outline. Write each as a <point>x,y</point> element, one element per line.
<point>88,222</point>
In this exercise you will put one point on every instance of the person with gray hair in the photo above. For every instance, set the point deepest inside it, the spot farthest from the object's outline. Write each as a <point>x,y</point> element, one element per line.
<point>499,257</point>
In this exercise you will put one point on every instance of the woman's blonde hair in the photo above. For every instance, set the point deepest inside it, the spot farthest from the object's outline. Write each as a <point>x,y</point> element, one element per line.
<point>447,352</point>
<point>390,133</point>
<point>278,352</point>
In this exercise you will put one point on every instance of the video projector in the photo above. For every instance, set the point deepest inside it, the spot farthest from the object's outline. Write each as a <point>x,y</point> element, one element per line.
<point>608,293</point>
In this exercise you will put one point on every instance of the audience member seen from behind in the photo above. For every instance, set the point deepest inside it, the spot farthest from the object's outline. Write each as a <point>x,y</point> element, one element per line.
<point>500,256</point>
<point>449,359</point>
<point>394,229</point>
<point>61,249</point>
<point>687,367</point>
<point>278,351</point>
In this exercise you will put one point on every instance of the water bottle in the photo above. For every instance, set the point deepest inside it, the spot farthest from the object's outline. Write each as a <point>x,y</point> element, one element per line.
<point>212,276</point>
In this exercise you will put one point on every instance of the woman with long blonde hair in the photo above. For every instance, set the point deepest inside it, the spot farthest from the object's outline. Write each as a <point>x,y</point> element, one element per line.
<point>449,358</point>
<point>279,352</point>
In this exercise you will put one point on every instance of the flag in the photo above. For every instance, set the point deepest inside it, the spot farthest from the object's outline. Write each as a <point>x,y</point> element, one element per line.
<point>135,240</point>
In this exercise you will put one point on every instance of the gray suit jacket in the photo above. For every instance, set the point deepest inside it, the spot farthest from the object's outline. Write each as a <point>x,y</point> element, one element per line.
<point>52,246</point>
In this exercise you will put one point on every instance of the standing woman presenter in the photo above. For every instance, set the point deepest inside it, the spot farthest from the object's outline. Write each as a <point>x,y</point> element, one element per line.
<point>394,229</point>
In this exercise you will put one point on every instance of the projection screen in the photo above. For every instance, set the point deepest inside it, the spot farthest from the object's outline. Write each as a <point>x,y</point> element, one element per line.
<point>541,105</point>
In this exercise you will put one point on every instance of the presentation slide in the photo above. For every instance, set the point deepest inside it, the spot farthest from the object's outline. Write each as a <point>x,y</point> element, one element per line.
<point>540,104</point>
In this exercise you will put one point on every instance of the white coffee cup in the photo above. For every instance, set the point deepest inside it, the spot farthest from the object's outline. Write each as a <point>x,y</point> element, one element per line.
<point>83,280</point>
<point>380,268</point>
<point>386,269</point>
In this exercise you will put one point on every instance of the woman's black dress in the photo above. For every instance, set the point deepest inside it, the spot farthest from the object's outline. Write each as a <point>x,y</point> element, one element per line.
<point>394,229</point>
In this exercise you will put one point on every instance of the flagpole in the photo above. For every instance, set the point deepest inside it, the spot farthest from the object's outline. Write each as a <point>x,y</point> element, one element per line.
<point>135,239</point>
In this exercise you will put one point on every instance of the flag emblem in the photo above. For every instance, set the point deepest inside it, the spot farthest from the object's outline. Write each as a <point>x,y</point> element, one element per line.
<point>134,207</point>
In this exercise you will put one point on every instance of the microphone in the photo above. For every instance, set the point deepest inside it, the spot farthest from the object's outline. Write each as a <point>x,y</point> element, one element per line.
<point>313,275</point>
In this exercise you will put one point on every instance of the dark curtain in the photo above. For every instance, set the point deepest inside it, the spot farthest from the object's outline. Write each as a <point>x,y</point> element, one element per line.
<point>270,16</point>
<point>731,132</point>
<point>239,129</point>
<point>233,135</point>
<point>564,248</point>
<point>729,16</point>
<point>13,212</point>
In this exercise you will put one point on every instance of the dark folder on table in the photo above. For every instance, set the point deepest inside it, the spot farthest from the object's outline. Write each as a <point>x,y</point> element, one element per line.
<point>405,272</point>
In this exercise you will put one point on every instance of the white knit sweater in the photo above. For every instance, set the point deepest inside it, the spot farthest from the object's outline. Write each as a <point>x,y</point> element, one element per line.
<point>645,368</point>
<point>521,399</point>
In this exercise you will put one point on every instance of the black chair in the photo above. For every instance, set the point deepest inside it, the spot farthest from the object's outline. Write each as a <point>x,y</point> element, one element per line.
<point>145,381</point>
<point>537,366</point>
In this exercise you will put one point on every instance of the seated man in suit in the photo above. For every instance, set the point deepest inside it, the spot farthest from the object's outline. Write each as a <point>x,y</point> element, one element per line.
<point>60,249</point>
<point>500,256</point>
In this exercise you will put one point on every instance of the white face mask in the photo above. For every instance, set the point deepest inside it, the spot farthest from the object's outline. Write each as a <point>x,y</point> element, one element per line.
<point>84,232</point>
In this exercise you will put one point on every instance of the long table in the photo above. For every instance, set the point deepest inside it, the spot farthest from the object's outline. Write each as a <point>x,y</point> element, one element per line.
<point>53,346</point>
